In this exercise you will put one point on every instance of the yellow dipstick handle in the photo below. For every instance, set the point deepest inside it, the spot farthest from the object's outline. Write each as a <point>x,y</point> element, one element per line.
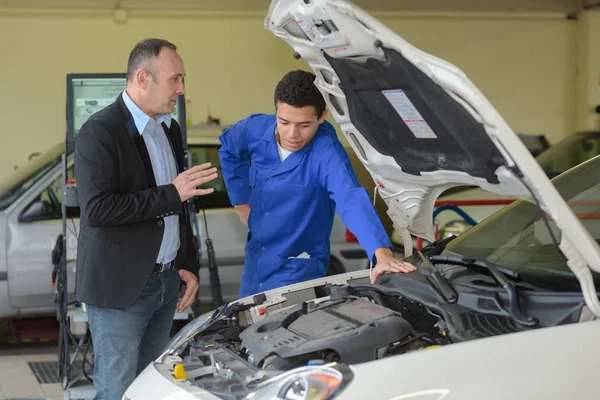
<point>180,372</point>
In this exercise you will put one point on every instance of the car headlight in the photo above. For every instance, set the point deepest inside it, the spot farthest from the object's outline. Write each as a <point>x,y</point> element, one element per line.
<point>188,332</point>
<point>305,383</point>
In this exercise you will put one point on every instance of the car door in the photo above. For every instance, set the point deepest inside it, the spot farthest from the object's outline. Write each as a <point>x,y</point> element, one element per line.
<point>33,228</point>
<point>228,235</point>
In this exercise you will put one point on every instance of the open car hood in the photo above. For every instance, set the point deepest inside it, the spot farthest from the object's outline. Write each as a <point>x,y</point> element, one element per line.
<point>418,124</point>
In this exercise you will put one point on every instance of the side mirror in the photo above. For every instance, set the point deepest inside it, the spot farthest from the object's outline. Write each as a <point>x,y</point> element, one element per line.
<point>36,211</point>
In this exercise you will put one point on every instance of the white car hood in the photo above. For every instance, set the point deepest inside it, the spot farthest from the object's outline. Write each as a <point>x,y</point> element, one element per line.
<point>418,124</point>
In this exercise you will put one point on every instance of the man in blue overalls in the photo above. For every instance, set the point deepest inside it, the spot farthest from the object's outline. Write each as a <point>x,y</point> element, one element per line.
<point>285,175</point>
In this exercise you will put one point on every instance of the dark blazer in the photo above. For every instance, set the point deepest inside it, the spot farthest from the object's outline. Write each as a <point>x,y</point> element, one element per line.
<point>122,209</point>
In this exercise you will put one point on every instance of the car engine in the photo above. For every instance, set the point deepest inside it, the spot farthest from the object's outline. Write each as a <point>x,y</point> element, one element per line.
<point>239,351</point>
<point>351,330</point>
<point>243,346</point>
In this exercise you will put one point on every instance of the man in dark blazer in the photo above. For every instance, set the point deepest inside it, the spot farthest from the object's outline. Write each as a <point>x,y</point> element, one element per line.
<point>136,244</point>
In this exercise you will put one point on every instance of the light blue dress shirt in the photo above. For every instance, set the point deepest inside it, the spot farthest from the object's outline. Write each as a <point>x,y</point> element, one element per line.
<point>163,166</point>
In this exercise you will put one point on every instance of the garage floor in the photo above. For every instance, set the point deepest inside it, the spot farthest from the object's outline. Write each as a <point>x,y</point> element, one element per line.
<point>29,364</point>
<point>25,370</point>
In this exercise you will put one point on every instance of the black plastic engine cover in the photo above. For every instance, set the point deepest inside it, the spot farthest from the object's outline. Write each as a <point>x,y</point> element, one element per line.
<point>353,328</point>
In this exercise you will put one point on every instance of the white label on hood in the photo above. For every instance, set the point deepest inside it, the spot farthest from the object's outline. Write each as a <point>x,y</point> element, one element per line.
<point>303,25</point>
<point>409,114</point>
<point>343,51</point>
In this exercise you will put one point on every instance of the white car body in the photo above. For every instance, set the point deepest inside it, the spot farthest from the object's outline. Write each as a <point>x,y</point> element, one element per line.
<point>527,365</point>
<point>250,340</point>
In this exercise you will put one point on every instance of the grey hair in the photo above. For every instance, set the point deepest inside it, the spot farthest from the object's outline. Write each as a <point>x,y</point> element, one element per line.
<point>143,55</point>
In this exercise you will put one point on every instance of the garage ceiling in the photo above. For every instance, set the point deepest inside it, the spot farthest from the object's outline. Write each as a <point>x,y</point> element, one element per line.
<point>567,6</point>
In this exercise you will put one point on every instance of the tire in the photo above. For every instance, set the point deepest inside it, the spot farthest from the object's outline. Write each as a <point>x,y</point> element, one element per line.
<point>335,267</point>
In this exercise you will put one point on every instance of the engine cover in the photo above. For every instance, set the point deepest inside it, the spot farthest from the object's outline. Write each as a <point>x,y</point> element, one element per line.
<point>353,328</point>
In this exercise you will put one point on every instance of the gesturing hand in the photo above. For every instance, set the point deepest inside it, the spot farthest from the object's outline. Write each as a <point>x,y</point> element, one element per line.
<point>188,181</point>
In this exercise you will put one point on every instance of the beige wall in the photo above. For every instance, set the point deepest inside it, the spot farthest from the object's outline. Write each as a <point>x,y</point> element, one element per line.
<point>588,73</point>
<point>525,66</point>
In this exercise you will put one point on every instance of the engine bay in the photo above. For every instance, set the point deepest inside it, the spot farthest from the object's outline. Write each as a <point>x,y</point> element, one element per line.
<point>251,344</point>
<point>247,343</point>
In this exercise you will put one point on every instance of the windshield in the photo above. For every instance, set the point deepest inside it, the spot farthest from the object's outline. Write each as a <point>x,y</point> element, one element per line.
<point>516,237</point>
<point>12,187</point>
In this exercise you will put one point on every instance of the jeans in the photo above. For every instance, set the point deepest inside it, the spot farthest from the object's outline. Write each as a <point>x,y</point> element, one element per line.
<point>127,340</point>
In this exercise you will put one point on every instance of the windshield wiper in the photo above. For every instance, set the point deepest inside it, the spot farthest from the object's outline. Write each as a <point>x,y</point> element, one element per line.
<point>437,280</point>
<point>438,246</point>
<point>476,262</point>
<point>499,274</point>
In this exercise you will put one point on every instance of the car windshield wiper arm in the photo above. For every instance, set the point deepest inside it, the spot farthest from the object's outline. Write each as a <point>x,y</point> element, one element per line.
<point>438,246</point>
<point>442,284</point>
<point>499,276</point>
<point>476,262</point>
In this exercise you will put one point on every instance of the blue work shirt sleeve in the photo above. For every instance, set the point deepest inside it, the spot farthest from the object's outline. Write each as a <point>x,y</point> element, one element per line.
<point>235,162</point>
<point>352,201</point>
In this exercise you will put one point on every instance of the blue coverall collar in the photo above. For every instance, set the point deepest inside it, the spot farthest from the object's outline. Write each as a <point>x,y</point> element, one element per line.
<point>269,134</point>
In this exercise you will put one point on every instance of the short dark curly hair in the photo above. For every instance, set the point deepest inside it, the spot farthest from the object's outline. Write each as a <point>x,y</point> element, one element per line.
<point>297,89</point>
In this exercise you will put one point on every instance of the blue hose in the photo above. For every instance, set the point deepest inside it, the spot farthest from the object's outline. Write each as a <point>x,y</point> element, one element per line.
<point>457,210</point>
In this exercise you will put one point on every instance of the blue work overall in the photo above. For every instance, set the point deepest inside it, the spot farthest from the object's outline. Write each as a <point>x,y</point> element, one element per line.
<point>293,203</point>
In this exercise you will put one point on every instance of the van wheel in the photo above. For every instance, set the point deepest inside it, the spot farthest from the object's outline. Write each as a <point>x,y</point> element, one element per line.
<point>335,267</point>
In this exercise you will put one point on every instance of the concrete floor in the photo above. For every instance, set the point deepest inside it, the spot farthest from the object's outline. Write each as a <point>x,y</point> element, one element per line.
<point>17,379</point>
